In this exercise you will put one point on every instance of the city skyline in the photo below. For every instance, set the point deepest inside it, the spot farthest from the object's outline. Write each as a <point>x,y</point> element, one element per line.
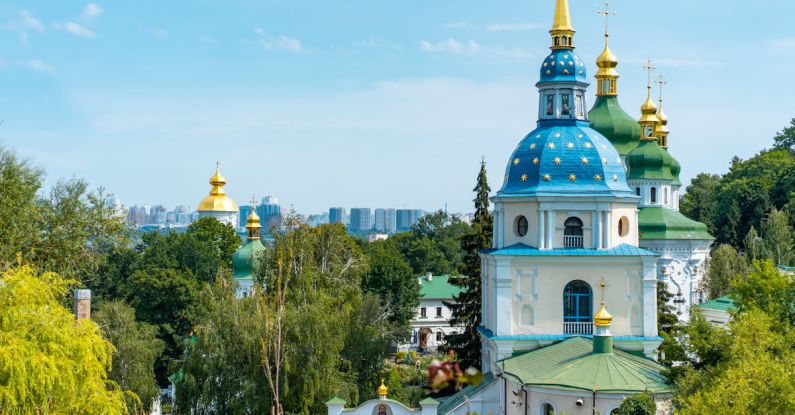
<point>287,98</point>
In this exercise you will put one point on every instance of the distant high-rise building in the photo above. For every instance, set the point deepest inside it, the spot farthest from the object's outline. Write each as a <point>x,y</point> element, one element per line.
<point>360,220</point>
<point>337,215</point>
<point>385,220</point>
<point>270,213</point>
<point>245,210</point>
<point>317,220</point>
<point>403,220</point>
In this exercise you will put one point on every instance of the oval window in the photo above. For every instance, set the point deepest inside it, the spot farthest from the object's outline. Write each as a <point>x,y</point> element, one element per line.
<point>623,226</point>
<point>521,226</point>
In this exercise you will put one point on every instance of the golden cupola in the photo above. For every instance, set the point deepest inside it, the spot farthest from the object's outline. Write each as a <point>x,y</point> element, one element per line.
<point>383,391</point>
<point>562,31</point>
<point>648,119</point>
<point>607,75</point>
<point>217,201</point>
<point>253,225</point>
<point>602,318</point>
<point>661,131</point>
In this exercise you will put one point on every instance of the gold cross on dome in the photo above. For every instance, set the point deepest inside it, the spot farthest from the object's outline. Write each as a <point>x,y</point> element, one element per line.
<point>649,67</point>
<point>606,12</point>
<point>603,284</point>
<point>662,82</point>
<point>253,200</point>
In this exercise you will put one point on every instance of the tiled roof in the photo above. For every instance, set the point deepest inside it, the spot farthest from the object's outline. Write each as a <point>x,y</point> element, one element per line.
<point>439,287</point>
<point>668,224</point>
<point>721,304</point>
<point>524,250</point>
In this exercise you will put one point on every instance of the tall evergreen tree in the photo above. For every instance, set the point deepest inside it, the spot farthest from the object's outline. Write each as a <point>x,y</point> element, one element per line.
<point>466,305</point>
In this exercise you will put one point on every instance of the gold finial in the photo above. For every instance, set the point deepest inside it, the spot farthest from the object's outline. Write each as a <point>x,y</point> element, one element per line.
<point>253,225</point>
<point>607,62</point>
<point>661,131</point>
<point>602,318</point>
<point>648,110</point>
<point>382,390</point>
<point>562,31</point>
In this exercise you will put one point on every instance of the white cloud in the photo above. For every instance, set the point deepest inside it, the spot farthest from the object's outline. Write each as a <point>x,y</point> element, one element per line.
<point>24,23</point>
<point>512,27</point>
<point>457,47</point>
<point>38,66</point>
<point>786,44</point>
<point>92,11</point>
<point>280,42</point>
<point>75,29</point>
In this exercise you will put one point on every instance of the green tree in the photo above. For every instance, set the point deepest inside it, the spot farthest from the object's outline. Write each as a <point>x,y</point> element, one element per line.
<point>669,327</point>
<point>466,305</point>
<point>136,349</point>
<point>755,376</point>
<point>392,279</point>
<point>724,265</point>
<point>785,139</point>
<point>778,237</point>
<point>767,289</point>
<point>642,404</point>
<point>19,213</point>
<point>221,371</point>
<point>50,364</point>
<point>433,244</point>
<point>699,200</point>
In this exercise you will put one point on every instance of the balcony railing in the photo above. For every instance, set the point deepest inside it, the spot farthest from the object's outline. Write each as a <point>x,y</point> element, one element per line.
<point>578,328</point>
<point>572,241</point>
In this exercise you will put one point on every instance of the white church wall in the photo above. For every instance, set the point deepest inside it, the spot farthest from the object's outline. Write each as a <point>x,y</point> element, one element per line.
<point>512,211</point>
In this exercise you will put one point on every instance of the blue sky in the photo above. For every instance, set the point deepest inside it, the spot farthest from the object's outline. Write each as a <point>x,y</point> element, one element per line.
<point>359,103</point>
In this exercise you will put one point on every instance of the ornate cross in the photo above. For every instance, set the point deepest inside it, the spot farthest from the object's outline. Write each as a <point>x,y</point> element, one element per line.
<point>254,201</point>
<point>603,284</point>
<point>606,12</point>
<point>649,67</point>
<point>662,82</point>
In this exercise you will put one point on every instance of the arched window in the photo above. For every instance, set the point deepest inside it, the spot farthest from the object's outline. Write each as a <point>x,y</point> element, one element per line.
<point>637,191</point>
<point>547,409</point>
<point>577,308</point>
<point>572,235</point>
<point>614,412</point>
<point>653,195</point>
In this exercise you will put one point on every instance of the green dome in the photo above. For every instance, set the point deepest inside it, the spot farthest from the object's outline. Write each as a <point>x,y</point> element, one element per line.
<point>664,223</point>
<point>676,168</point>
<point>243,259</point>
<point>649,161</point>
<point>613,122</point>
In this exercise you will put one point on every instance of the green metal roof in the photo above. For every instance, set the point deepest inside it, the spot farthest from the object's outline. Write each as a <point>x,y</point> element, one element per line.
<point>336,401</point>
<point>450,403</point>
<point>243,259</point>
<point>524,250</point>
<point>665,223</point>
<point>721,304</point>
<point>649,161</point>
<point>438,288</point>
<point>571,364</point>
<point>615,124</point>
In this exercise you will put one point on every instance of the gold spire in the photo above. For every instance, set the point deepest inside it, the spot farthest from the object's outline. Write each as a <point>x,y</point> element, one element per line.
<point>253,225</point>
<point>602,318</point>
<point>662,130</point>
<point>562,31</point>
<point>607,62</point>
<point>382,390</point>
<point>217,201</point>
<point>648,120</point>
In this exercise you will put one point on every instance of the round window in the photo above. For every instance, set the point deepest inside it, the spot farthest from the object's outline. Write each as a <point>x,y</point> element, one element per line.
<point>623,226</point>
<point>521,226</point>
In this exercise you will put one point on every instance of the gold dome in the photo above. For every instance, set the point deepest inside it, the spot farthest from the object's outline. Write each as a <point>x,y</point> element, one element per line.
<point>217,201</point>
<point>649,112</point>
<point>602,318</point>
<point>562,31</point>
<point>382,390</point>
<point>606,59</point>
<point>253,222</point>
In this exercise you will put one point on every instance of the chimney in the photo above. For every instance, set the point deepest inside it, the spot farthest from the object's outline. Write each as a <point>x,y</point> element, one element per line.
<point>429,276</point>
<point>82,304</point>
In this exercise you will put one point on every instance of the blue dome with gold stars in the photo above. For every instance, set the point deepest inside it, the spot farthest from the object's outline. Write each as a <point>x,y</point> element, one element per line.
<point>565,157</point>
<point>563,65</point>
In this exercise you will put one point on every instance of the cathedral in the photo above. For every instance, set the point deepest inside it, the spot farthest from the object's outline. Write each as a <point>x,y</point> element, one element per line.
<point>586,224</point>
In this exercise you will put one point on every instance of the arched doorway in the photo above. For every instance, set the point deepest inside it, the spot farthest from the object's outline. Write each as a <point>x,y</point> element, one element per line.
<point>572,235</point>
<point>425,334</point>
<point>577,308</point>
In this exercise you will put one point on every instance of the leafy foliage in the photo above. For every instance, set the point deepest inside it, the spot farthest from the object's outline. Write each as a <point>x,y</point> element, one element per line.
<point>136,348</point>
<point>785,139</point>
<point>392,279</point>
<point>642,404</point>
<point>433,244</point>
<point>724,265</point>
<point>48,362</point>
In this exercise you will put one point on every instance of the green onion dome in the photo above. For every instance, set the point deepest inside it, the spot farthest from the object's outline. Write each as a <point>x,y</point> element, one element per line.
<point>649,161</point>
<point>245,259</point>
<point>613,122</point>
<point>668,224</point>
<point>676,169</point>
